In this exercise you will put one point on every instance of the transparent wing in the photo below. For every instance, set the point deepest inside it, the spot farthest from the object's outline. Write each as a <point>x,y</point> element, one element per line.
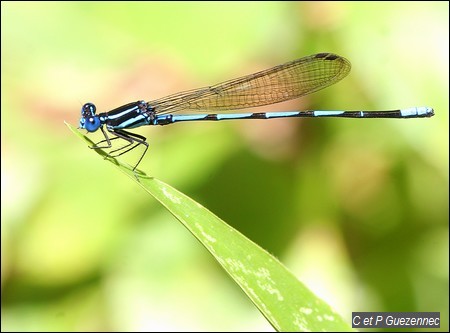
<point>280,83</point>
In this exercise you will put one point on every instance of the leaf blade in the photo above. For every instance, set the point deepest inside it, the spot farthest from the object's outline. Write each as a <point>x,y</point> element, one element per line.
<point>283,300</point>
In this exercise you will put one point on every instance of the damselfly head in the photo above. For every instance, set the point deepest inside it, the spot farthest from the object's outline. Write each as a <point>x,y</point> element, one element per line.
<point>89,120</point>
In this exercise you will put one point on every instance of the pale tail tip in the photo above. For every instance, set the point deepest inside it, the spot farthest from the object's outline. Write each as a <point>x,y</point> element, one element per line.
<point>418,112</point>
<point>425,111</point>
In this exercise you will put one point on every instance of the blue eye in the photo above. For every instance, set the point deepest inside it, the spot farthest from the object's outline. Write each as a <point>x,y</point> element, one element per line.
<point>92,123</point>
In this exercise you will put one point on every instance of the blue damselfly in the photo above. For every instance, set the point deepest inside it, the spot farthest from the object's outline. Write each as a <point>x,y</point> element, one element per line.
<point>280,83</point>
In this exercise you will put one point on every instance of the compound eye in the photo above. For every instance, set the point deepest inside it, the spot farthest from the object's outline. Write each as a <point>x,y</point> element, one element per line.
<point>92,124</point>
<point>88,110</point>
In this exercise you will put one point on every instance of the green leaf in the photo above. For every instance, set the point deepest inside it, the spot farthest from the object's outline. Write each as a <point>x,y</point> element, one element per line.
<point>286,303</point>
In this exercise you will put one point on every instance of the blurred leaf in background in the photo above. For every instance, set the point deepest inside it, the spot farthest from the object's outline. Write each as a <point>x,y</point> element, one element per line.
<point>358,209</point>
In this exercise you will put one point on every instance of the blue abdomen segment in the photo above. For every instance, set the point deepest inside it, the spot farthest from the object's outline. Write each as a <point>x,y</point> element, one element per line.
<point>174,118</point>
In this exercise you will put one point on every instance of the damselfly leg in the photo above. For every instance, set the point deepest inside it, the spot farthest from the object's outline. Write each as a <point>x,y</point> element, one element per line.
<point>134,140</point>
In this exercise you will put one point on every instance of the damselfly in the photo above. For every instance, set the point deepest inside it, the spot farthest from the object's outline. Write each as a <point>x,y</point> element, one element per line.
<point>280,83</point>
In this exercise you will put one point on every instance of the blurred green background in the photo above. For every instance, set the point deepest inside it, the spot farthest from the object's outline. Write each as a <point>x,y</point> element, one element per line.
<point>357,209</point>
